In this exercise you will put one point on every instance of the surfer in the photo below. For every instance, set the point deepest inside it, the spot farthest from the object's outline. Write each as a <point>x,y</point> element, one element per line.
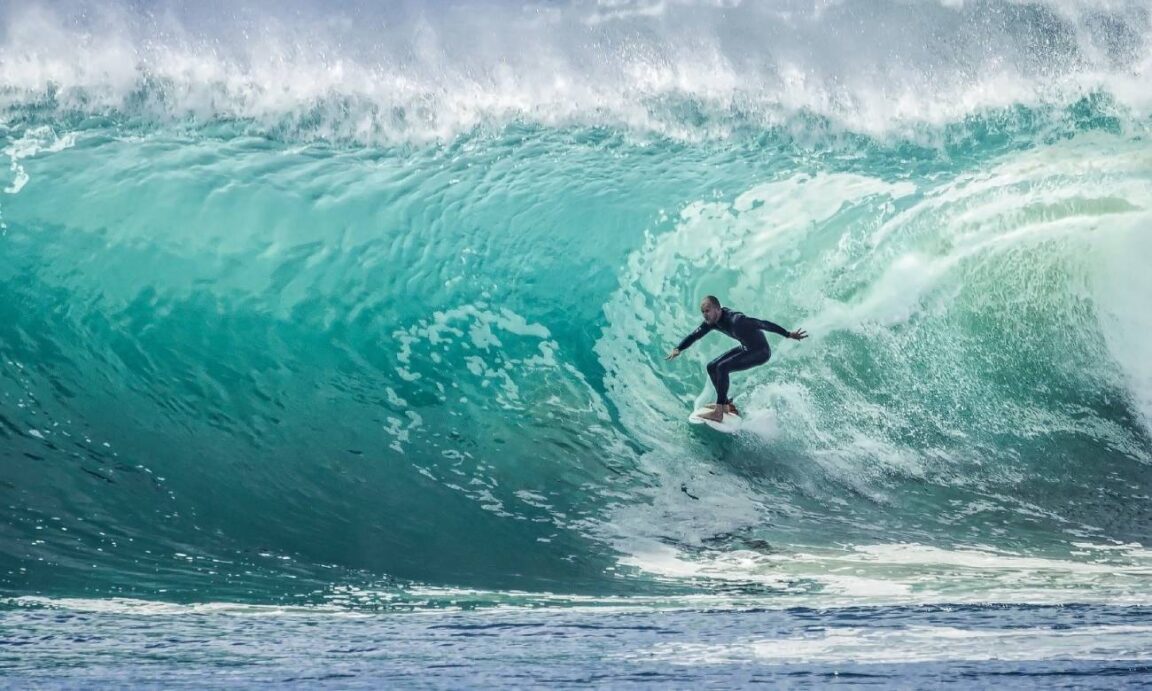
<point>752,351</point>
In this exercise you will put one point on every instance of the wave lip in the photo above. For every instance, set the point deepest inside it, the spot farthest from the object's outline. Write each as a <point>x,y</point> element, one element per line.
<point>683,70</point>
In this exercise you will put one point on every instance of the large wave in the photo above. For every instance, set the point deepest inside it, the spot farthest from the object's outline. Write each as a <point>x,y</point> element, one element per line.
<point>299,297</point>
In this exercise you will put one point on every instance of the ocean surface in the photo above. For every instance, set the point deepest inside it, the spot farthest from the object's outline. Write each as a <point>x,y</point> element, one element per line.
<point>332,343</point>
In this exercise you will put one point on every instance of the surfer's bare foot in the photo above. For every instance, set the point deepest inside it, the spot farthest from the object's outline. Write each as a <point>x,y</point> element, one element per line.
<point>731,409</point>
<point>715,415</point>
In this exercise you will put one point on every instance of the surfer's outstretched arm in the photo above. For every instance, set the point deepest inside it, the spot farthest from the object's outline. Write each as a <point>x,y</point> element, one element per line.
<point>691,338</point>
<point>765,325</point>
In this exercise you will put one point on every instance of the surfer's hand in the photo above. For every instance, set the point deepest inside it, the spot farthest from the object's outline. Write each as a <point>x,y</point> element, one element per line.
<point>674,354</point>
<point>798,335</point>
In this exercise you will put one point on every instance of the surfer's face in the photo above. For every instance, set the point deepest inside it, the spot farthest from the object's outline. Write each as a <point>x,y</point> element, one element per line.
<point>710,311</point>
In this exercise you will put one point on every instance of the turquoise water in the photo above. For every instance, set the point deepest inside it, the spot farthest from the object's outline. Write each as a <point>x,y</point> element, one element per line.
<point>362,312</point>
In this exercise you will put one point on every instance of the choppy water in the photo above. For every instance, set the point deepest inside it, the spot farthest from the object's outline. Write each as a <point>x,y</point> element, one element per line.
<point>599,644</point>
<point>362,311</point>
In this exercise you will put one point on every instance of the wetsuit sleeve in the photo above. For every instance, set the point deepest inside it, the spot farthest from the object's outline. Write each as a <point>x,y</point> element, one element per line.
<point>696,335</point>
<point>765,325</point>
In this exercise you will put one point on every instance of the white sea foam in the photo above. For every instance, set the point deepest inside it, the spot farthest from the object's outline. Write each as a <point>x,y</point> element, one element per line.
<point>34,141</point>
<point>905,573</point>
<point>917,644</point>
<point>683,69</point>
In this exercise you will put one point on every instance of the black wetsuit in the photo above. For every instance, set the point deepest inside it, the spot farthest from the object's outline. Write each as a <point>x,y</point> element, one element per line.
<point>752,351</point>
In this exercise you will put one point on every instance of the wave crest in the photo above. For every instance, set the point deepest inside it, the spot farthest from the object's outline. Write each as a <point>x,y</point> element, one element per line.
<point>684,70</point>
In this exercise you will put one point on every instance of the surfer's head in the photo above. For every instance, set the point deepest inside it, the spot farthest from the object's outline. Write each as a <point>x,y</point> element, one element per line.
<point>710,308</point>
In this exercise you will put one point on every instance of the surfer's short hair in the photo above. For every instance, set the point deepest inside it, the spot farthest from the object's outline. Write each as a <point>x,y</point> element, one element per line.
<point>711,300</point>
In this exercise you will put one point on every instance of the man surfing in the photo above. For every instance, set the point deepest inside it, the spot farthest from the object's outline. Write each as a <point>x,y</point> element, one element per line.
<point>752,351</point>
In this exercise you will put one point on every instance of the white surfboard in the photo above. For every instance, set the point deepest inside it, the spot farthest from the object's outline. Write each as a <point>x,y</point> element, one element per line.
<point>729,425</point>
